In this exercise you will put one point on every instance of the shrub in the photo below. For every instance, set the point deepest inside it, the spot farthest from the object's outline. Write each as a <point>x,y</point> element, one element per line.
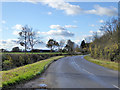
<point>17,60</point>
<point>6,65</point>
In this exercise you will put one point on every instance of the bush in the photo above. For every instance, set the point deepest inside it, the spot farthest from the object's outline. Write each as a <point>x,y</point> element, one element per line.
<point>105,48</point>
<point>6,64</point>
<point>16,60</point>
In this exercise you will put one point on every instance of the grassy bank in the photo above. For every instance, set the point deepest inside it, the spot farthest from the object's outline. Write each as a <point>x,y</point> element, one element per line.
<point>104,63</point>
<point>10,61</point>
<point>25,72</point>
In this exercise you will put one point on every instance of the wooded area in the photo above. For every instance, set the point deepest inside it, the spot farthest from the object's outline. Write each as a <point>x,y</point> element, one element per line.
<point>107,46</point>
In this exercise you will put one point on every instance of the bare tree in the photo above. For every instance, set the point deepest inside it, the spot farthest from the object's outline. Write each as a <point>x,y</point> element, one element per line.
<point>28,38</point>
<point>95,36</point>
<point>33,38</point>
<point>109,26</point>
<point>23,37</point>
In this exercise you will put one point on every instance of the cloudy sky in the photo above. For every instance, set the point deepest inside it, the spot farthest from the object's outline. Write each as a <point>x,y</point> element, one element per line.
<point>58,20</point>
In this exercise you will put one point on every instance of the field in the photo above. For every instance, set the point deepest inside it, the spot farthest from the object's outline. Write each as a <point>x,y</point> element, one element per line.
<point>104,63</point>
<point>25,72</point>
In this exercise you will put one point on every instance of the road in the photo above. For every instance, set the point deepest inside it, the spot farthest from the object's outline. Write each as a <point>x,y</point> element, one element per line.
<point>75,72</point>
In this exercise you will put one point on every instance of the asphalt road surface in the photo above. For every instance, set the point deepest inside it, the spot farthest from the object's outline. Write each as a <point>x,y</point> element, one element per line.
<point>75,72</point>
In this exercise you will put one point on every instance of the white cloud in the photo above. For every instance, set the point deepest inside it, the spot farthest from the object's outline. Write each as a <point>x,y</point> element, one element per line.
<point>9,44</point>
<point>31,1</point>
<point>17,27</point>
<point>62,28</point>
<point>70,26</point>
<point>78,41</point>
<point>49,13</point>
<point>91,31</point>
<point>60,31</point>
<point>98,10</point>
<point>63,33</point>
<point>16,32</point>
<point>101,21</point>
<point>3,21</point>
<point>56,27</point>
<point>70,9</point>
<point>90,38</point>
<point>98,32</point>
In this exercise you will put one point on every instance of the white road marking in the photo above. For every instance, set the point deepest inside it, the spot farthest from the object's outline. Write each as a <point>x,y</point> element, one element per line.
<point>115,86</point>
<point>82,69</point>
<point>88,72</point>
<point>93,76</point>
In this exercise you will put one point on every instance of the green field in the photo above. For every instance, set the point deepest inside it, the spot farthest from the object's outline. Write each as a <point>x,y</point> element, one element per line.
<point>25,72</point>
<point>104,63</point>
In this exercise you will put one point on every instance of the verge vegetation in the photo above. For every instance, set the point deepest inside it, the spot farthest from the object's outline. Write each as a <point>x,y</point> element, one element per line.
<point>107,46</point>
<point>26,72</point>
<point>104,63</point>
<point>11,61</point>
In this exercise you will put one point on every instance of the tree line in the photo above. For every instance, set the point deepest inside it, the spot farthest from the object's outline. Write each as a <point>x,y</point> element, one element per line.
<point>28,38</point>
<point>107,46</point>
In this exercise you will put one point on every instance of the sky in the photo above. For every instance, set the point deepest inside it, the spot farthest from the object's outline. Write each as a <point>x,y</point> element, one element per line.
<point>57,20</point>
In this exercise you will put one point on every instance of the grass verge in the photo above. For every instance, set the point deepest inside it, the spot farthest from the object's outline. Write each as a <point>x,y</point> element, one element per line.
<point>104,63</point>
<point>26,72</point>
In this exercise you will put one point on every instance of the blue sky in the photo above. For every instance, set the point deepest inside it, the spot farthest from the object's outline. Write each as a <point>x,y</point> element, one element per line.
<point>59,20</point>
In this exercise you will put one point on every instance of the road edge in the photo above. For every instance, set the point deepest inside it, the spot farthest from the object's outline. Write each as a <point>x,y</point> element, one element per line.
<point>98,62</point>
